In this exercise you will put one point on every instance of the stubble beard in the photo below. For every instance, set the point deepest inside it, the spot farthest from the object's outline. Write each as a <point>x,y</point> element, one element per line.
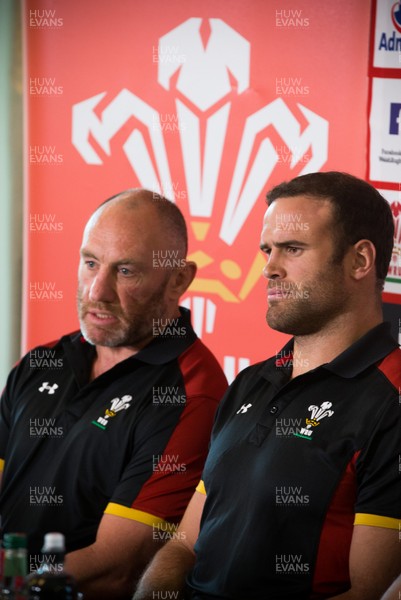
<point>135,330</point>
<point>316,307</point>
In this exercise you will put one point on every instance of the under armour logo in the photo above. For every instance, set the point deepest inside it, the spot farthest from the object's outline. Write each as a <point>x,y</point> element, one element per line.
<point>244,408</point>
<point>50,388</point>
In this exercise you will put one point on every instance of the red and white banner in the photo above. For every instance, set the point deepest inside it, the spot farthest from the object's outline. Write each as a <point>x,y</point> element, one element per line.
<point>384,167</point>
<point>211,104</point>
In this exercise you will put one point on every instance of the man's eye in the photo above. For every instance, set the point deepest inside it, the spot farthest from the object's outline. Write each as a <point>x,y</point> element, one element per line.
<point>293,249</point>
<point>124,271</point>
<point>90,264</point>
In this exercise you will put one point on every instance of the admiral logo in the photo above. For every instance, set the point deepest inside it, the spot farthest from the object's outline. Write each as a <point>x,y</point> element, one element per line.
<point>395,119</point>
<point>392,42</point>
<point>318,413</point>
<point>396,16</point>
<point>117,405</point>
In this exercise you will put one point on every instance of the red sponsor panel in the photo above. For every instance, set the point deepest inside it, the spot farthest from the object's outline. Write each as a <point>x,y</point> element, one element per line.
<point>211,104</point>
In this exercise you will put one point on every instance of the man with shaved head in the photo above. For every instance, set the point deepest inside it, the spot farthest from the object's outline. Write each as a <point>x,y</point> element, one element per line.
<point>106,442</point>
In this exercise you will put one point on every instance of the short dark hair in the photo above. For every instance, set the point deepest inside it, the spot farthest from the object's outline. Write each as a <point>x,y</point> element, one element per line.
<point>360,212</point>
<point>168,211</point>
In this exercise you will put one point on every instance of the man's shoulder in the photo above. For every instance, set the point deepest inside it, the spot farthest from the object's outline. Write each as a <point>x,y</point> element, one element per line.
<point>199,364</point>
<point>390,366</point>
<point>39,356</point>
<point>258,370</point>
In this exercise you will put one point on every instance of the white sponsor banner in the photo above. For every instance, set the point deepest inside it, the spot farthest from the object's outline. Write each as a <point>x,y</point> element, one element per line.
<point>385,131</point>
<point>387,39</point>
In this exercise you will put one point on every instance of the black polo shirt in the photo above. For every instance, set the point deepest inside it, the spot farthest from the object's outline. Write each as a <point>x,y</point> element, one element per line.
<point>132,442</point>
<point>292,465</point>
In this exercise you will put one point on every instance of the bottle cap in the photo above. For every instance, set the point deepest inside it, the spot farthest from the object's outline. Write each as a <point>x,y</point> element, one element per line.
<point>14,540</point>
<point>54,542</point>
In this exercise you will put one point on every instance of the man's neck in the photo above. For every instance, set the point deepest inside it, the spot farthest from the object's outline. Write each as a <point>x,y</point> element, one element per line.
<point>106,358</point>
<point>311,351</point>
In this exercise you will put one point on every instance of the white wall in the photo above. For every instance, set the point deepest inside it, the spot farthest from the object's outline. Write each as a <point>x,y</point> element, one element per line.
<point>11,188</point>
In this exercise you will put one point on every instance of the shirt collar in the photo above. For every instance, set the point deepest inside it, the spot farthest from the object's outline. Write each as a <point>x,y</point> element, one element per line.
<point>166,347</point>
<point>366,351</point>
<point>161,350</point>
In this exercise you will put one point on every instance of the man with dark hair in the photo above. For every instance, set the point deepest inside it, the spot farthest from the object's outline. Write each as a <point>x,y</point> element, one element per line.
<point>300,496</point>
<point>104,433</point>
<point>350,197</point>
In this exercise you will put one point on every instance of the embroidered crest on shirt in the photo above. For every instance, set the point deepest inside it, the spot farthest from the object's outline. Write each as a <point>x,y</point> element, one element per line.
<point>117,404</point>
<point>50,389</point>
<point>317,414</point>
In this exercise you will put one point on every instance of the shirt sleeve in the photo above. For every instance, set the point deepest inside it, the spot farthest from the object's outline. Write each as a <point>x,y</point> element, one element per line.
<point>378,471</point>
<point>201,488</point>
<point>173,474</point>
<point>174,469</point>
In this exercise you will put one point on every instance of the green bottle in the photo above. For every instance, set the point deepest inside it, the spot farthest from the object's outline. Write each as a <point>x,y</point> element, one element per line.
<point>15,566</point>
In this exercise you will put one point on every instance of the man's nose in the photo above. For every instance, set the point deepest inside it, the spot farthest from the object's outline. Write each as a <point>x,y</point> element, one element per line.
<point>102,287</point>
<point>273,268</point>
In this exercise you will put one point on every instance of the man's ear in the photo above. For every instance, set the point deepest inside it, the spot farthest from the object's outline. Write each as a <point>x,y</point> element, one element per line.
<point>182,278</point>
<point>363,259</point>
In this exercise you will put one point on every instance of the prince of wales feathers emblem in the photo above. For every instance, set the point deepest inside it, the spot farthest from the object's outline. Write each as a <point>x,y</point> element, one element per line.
<point>318,413</point>
<point>117,404</point>
<point>198,62</point>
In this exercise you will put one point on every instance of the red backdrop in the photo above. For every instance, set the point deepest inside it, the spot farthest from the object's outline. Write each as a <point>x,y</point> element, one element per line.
<point>213,103</point>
